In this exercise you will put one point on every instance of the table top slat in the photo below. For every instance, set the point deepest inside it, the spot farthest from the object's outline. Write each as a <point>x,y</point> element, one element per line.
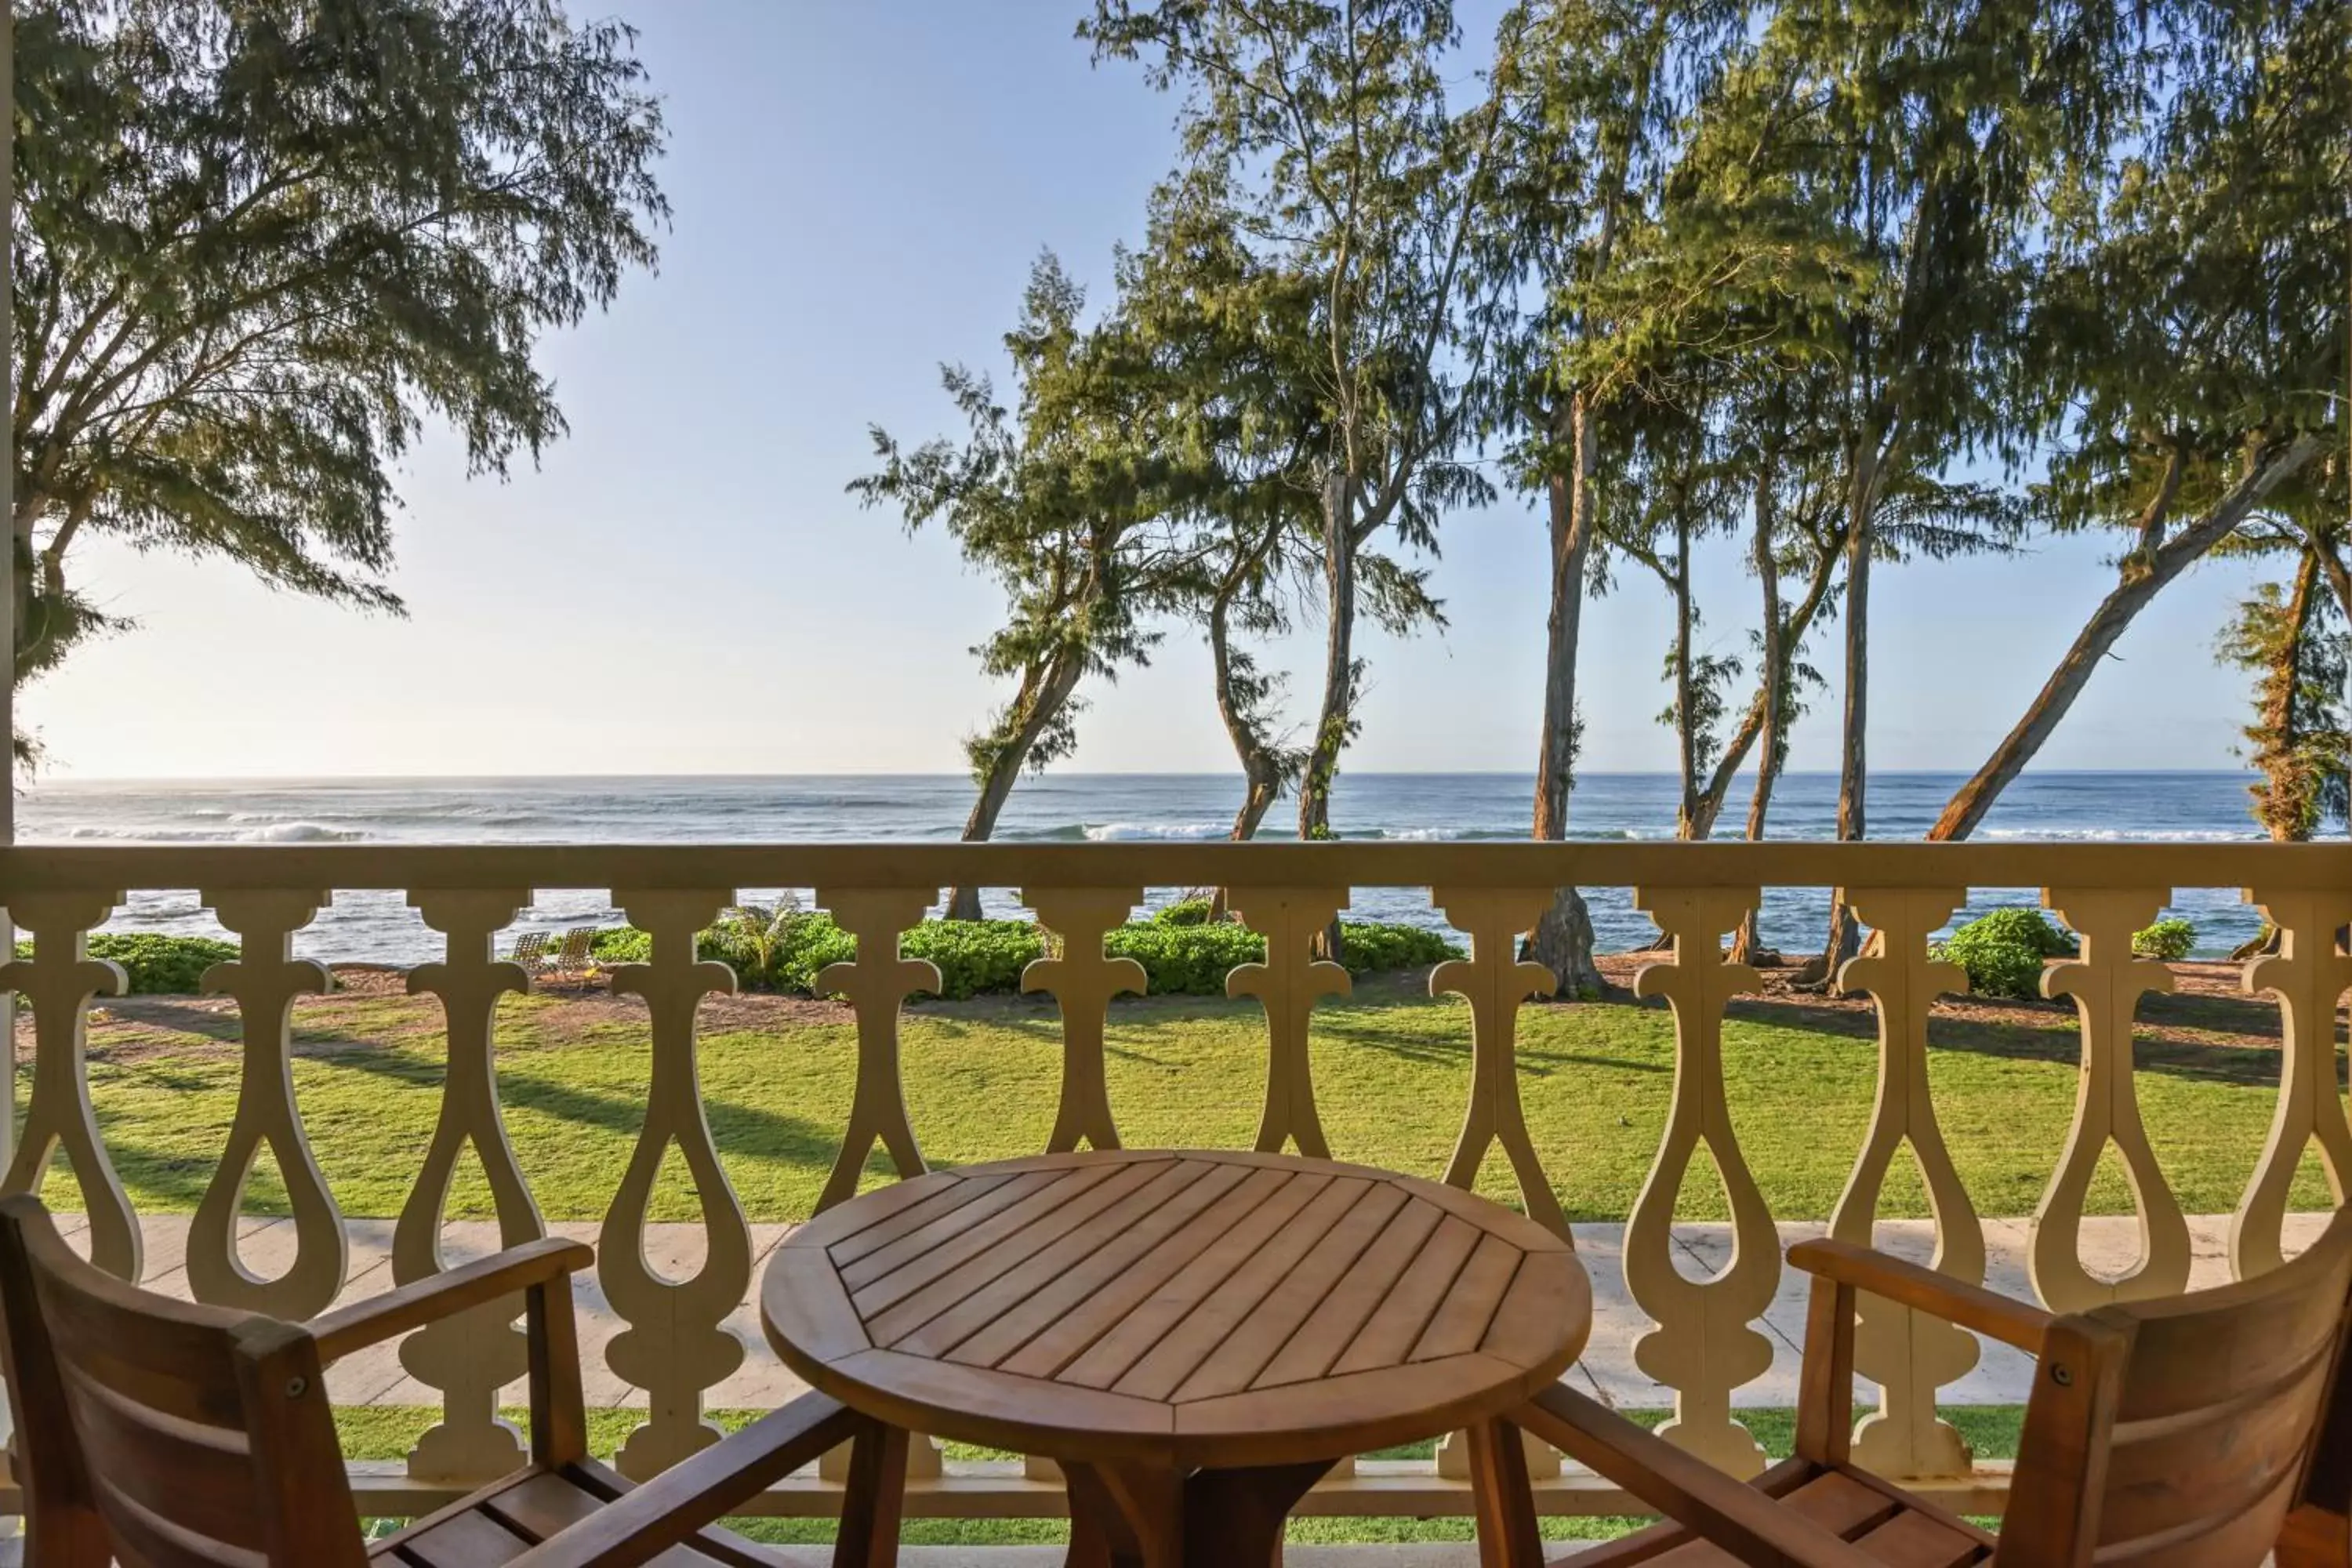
<point>841,1226</point>
<point>1328,1330</point>
<point>1135,1253</point>
<point>1397,1324</point>
<point>1110,1357</point>
<point>913,1295</point>
<point>1235,1363</point>
<point>1008,1291</point>
<point>1461,1320</point>
<point>872,1254</point>
<point>1223,1311</point>
<point>1110,1303</point>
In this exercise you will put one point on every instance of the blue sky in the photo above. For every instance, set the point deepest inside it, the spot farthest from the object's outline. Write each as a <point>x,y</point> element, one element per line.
<point>682,585</point>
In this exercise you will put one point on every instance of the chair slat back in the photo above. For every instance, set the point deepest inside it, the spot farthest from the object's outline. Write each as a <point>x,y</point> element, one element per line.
<point>168,1433</point>
<point>2176,1433</point>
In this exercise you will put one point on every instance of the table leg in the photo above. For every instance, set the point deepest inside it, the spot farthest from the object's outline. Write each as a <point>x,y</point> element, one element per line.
<point>1508,1534</point>
<point>871,1504</point>
<point>1125,1516</point>
<point>1237,1516</point>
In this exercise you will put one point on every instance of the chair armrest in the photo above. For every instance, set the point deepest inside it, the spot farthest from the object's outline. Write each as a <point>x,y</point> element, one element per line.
<point>645,1521</point>
<point>378,1317</point>
<point>1999,1317</point>
<point>1683,1486</point>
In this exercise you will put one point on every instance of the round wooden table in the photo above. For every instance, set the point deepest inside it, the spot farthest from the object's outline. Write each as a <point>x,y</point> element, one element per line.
<point>1195,1337</point>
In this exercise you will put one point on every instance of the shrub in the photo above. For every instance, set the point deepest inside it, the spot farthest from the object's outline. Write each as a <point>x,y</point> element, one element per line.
<point>155,964</point>
<point>2169,939</point>
<point>974,956</point>
<point>1376,944</point>
<point>1186,960</point>
<point>2004,951</point>
<point>621,944</point>
<point>1185,912</point>
<point>978,958</point>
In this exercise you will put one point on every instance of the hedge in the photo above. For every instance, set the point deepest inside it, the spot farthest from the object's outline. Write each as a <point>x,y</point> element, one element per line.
<point>1182,955</point>
<point>156,964</point>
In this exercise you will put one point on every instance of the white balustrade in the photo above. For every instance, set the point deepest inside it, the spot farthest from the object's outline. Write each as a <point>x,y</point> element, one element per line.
<point>1704,1342</point>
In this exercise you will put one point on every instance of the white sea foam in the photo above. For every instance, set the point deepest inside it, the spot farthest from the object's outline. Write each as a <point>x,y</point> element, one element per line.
<point>1131,832</point>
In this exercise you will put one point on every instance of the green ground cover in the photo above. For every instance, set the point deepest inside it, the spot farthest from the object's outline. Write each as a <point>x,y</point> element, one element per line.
<point>1392,1070</point>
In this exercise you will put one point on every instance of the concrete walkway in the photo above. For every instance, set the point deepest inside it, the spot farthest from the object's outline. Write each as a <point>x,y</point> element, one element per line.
<point>1607,1369</point>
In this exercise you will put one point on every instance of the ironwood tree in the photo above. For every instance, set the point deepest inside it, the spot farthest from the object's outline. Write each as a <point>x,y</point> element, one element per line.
<point>1325,128</point>
<point>260,244</point>
<point>1061,497</point>
<point>2188,322</point>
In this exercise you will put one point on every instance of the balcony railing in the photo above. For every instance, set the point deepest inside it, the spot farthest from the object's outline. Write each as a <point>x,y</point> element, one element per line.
<point>1704,1341</point>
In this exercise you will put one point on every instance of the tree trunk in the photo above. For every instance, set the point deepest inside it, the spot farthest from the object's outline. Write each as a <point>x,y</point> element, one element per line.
<point>1562,940</point>
<point>1686,736</point>
<point>2143,576</point>
<point>1045,692</point>
<point>1261,766</point>
<point>1335,715</point>
<point>1774,690</point>
<point>1262,770</point>
<point>1752,723</point>
<point>1854,753</point>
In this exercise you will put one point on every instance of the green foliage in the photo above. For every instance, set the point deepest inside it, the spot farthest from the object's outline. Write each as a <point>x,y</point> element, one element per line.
<point>1187,959</point>
<point>257,247</point>
<point>154,964</point>
<point>2004,951</point>
<point>2169,940</point>
<point>975,957</point>
<point>1182,954</point>
<point>1371,945</point>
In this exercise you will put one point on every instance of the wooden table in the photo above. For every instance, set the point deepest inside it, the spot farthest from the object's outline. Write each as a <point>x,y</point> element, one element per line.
<point>1195,1337</point>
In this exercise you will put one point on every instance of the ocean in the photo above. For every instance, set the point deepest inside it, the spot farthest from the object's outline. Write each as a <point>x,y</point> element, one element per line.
<point>1077,807</point>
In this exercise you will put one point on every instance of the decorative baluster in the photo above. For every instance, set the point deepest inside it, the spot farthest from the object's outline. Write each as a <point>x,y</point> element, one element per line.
<point>1083,981</point>
<point>1705,1343</point>
<point>1908,1354</point>
<point>2107,985</point>
<point>1494,982</point>
<point>470,1357</point>
<point>877,983</point>
<point>1288,984</point>
<point>60,979</point>
<point>2309,977</point>
<point>676,1345</point>
<point>265,979</point>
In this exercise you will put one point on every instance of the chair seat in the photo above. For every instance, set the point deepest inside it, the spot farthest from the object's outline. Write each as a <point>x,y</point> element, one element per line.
<point>1890,1528</point>
<point>503,1522</point>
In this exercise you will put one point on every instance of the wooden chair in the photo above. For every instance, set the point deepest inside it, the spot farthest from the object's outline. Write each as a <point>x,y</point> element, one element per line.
<point>157,1434</point>
<point>2196,1432</point>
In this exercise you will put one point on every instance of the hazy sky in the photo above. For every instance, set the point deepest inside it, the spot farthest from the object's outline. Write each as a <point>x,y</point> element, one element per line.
<point>682,585</point>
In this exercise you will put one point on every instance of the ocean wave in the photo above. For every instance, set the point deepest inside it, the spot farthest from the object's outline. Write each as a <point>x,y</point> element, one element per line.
<point>1134,832</point>
<point>301,833</point>
<point>2125,834</point>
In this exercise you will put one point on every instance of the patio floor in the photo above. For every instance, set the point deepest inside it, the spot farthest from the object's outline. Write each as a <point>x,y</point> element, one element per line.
<point>2002,1377</point>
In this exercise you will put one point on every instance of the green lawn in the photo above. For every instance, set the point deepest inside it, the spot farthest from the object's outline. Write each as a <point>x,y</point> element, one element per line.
<point>1391,1069</point>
